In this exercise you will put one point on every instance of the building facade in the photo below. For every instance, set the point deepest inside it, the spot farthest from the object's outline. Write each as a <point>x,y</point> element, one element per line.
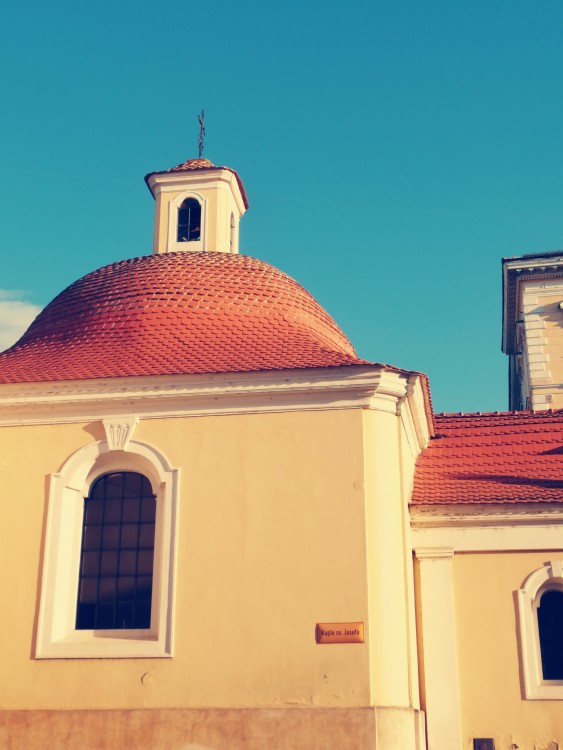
<point>226,530</point>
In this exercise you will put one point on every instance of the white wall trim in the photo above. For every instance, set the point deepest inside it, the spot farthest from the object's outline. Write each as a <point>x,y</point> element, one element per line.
<point>439,652</point>
<point>514,527</point>
<point>56,633</point>
<point>152,397</point>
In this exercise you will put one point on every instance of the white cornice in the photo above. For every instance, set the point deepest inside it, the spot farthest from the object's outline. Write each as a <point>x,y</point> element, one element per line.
<point>207,178</point>
<point>487,527</point>
<point>369,387</point>
<point>485,514</point>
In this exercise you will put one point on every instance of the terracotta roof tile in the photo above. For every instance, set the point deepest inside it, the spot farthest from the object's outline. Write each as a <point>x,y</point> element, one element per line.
<point>502,457</point>
<point>177,313</point>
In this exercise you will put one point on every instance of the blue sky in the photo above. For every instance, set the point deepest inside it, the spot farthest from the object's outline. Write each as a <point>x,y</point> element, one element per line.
<point>392,154</point>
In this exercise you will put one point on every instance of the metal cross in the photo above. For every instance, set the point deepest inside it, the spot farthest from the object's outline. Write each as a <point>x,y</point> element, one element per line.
<point>200,119</point>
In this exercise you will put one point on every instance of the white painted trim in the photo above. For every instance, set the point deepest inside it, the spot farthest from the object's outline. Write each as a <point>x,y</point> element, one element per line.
<point>119,431</point>
<point>152,397</point>
<point>204,178</point>
<point>548,577</point>
<point>439,653</point>
<point>56,633</point>
<point>512,529</point>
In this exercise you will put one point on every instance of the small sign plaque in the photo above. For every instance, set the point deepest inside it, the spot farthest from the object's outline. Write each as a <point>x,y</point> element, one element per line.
<point>340,632</point>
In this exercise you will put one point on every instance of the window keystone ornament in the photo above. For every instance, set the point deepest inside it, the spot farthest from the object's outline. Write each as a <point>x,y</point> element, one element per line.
<point>119,431</point>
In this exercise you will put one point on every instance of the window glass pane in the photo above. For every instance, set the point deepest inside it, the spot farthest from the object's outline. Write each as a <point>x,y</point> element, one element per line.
<point>105,616</point>
<point>98,491</point>
<point>86,617</point>
<point>143,616</point>
<point>94,511</point>
<point>107,589</point>
<point>146,536</point>
<point>129,536</point>
<point>128,562</point>
<point>110,537</point>
<point>92,537</point>
<point>144,588</point>
<point>91,564</point>
<point>109,564</point>
<point>132,486</point>
<point>145,562</point>
<point>115,586</point>
<point>112,511</point>
<point>126,588</point>
<point>131,510</point>
<point>189,221</point>
<point>88,590</point>
<point>148,509</point>
<point>550,625</point>
<point>125,615</point>
<point>114,486</point>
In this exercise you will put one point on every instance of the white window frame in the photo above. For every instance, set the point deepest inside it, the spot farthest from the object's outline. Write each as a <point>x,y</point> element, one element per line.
<point>173,208</point>
<point>548,577</point>
<point>57,636</point>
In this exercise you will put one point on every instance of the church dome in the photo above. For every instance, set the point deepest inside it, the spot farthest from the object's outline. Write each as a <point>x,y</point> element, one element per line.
<point>177,313</point>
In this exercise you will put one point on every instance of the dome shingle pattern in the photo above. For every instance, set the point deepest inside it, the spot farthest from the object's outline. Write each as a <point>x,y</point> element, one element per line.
<point>177,313</point>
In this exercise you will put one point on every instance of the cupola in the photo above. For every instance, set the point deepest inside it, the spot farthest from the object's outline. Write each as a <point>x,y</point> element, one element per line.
<point>198,207</point>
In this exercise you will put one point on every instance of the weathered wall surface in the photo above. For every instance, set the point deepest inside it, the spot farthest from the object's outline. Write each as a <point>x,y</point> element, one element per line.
<point>271,540</point>
<point>490,687</point>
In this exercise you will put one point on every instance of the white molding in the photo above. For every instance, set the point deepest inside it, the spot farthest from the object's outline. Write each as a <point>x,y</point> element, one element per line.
<point>151,397</point>
<point>119,431</point>
<point>439,652</point>
<point>204,178</point>
<point>547,577</point>
<point>56,633</point>
<point>414,418</point>
<point>542,530</point>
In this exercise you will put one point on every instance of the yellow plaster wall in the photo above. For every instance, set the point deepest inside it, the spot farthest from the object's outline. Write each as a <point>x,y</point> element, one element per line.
<point>490,688</point>
<point>271,541</point>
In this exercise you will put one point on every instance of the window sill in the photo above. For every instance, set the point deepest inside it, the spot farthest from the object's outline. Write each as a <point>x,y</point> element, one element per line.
<point>104,644</point>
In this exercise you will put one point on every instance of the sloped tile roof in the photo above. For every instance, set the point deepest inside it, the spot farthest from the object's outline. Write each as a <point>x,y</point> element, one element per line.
<point>505,457</point>
<point>177,313</point>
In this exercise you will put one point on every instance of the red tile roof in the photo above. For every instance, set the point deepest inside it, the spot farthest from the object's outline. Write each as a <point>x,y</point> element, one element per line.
<point>504,457</point>
<point>177,313</point>
<point>200,165</point>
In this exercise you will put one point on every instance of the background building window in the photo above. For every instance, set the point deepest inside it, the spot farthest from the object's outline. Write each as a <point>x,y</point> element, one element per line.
<point>550,627</point>
<point>116,564</point>
<point>189,221</point>
<point>540,627</point>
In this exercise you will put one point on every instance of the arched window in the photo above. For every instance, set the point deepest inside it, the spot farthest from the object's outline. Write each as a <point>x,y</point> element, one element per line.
<point>540,625</point>
<point>108,559</point>
<point>189,221</point>
<point>550,628</point>
<point>116,562</point>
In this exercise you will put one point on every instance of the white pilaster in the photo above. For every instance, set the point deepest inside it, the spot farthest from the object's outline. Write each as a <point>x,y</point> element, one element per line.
<point>440,669</point>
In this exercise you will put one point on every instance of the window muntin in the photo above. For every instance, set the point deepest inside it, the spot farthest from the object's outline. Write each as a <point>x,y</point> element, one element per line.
<point>550,632</point>
<point>189,221</point>
<point>116,565</point>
